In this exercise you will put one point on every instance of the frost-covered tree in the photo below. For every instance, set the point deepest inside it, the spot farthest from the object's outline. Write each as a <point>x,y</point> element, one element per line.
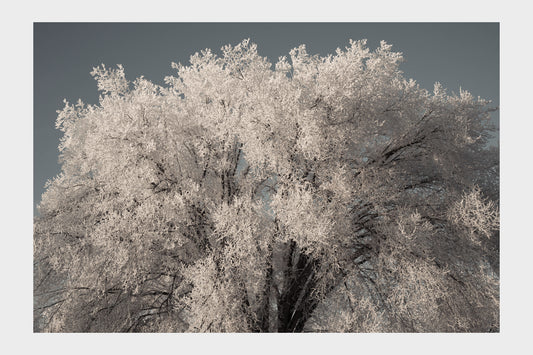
<point>319,194</point>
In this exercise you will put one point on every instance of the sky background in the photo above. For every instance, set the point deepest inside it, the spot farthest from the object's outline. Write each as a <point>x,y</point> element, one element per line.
<point>457,55</point>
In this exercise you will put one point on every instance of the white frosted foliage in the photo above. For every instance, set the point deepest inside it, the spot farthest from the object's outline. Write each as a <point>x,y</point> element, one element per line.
<point>312,194</point>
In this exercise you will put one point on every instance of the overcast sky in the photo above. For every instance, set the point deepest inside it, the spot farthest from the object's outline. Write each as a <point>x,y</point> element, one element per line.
<point>462,55</point>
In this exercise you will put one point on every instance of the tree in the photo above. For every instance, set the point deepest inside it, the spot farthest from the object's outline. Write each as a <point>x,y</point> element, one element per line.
<point>321,194</point>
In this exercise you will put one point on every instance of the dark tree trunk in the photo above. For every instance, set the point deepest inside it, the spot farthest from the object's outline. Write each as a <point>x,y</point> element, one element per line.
<point>295,304</point>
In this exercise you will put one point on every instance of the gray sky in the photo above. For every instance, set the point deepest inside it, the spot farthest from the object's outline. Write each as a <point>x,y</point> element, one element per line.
<point>456,54</point>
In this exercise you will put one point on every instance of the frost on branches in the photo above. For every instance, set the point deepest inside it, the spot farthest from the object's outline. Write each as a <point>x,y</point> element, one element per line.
<point>322,194</point>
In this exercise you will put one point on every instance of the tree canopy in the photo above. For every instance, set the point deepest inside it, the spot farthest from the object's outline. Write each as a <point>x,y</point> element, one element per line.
<point>317,194</point>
